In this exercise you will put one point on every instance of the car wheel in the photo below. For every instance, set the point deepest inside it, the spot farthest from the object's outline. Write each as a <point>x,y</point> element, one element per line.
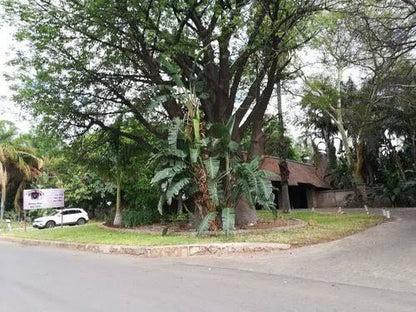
<point>50,225</point>
<point>81,221</point>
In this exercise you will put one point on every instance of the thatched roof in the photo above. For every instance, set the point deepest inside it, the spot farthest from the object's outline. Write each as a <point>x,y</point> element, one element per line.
<point>299,172</point>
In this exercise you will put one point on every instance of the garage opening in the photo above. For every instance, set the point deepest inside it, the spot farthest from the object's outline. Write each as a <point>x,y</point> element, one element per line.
<point>298,197</point>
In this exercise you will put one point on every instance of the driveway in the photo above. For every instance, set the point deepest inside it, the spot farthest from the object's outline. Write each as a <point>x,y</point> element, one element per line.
<point>372,271</point>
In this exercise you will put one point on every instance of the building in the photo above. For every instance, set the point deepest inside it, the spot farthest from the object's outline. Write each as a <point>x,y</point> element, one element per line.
<point>305,181</point>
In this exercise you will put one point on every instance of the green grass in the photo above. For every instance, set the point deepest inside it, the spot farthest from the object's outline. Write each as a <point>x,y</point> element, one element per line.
<point>324,227</point>
<point>15,225</point>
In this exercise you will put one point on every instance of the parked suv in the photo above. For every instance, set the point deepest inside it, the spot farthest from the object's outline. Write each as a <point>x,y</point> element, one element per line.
<point>69,216</point>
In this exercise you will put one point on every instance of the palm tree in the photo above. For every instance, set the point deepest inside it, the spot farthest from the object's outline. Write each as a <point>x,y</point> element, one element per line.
<point>29,170</point>
<point>109,156</point>
<point>17,165</point>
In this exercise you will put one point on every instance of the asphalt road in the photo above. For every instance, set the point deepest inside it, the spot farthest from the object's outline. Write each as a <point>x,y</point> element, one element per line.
<point>371,271</point>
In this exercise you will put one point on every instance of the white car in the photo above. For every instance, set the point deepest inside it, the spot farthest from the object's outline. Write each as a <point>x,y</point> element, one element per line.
<point>69,216</point>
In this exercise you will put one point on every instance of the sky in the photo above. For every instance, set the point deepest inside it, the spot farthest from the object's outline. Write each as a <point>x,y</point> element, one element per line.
<point>9,110</point>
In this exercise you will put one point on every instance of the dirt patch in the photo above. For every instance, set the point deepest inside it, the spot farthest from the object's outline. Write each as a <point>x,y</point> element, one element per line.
<point>157,228</point>
<point>183,227</point>
<point>264,225</point>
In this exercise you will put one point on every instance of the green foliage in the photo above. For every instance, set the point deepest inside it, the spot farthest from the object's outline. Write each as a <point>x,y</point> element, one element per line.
<point>83,81</point>
<point>140,216</point>
<point>19,165</point>
<point>11,215</point>
<point>253,184</point>
<point>88,190</point>
<point>341,177</point>
<point>172,174</point>
<point>401,193</point>
<point>8,131</point>
<point>175,188</point>
<point>206,223</point>
<point>212,166</point>
<point>228,220</point>
<point>214,176</point>
<point>321,94</point>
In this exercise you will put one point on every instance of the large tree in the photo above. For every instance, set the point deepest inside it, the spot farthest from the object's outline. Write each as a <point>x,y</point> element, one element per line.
<point>92,61</point>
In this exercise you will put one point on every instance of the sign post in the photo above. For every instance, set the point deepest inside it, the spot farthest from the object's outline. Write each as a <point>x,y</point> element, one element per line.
<point>24,217</point>
<point>42,199</point>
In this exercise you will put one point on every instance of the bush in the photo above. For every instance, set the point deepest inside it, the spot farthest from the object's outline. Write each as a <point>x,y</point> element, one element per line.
<point>12,215</point>
<point>141,216</point>
<point>341,176</point>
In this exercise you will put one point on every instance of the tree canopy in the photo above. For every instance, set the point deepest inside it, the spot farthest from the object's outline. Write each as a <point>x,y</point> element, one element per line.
<point>94,61</point>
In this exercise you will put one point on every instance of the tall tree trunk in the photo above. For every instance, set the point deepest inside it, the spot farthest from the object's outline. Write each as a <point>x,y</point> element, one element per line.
<point>358,170</point>
<point>18,196</point>
<point>283,166</point>
<point>413,145</point>
<point>3,182</point>
<point>180,205</point>
<point>339,121</point>
<point>117,217</point>
<point>245,215</point>
<point>257,139</point>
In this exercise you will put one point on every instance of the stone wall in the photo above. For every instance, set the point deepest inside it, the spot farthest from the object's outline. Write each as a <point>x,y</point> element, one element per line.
<point>346,198</point>
<point>333,198</point>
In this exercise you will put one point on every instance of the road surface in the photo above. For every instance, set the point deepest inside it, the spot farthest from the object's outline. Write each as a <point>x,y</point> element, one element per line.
<point>371,271</point>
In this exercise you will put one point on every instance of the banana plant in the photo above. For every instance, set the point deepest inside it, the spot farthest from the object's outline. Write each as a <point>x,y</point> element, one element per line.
<point>202,163</point>
<point>176,164</point>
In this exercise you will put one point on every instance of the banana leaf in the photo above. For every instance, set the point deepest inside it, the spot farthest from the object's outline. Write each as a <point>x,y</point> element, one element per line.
<point>228,220</point>
<point>206,223</point>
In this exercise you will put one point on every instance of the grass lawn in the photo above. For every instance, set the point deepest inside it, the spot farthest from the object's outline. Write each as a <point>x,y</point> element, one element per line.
<point>323,227</point>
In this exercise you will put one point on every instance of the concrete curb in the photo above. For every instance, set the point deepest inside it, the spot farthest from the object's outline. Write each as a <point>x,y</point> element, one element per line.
<point>158,251</point>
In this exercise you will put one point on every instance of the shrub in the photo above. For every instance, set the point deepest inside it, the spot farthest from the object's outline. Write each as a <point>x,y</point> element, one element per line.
<point>140,216</point>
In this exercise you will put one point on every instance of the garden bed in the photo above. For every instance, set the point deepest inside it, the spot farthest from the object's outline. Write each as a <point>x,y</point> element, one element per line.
<point>184,228</point>
<point>320,227</point>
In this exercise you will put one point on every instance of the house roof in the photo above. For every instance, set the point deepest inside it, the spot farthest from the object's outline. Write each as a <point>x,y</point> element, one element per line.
<point>299,172</point>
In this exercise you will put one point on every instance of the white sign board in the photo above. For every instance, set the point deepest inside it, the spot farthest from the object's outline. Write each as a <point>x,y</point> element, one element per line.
<point>43,198</point>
